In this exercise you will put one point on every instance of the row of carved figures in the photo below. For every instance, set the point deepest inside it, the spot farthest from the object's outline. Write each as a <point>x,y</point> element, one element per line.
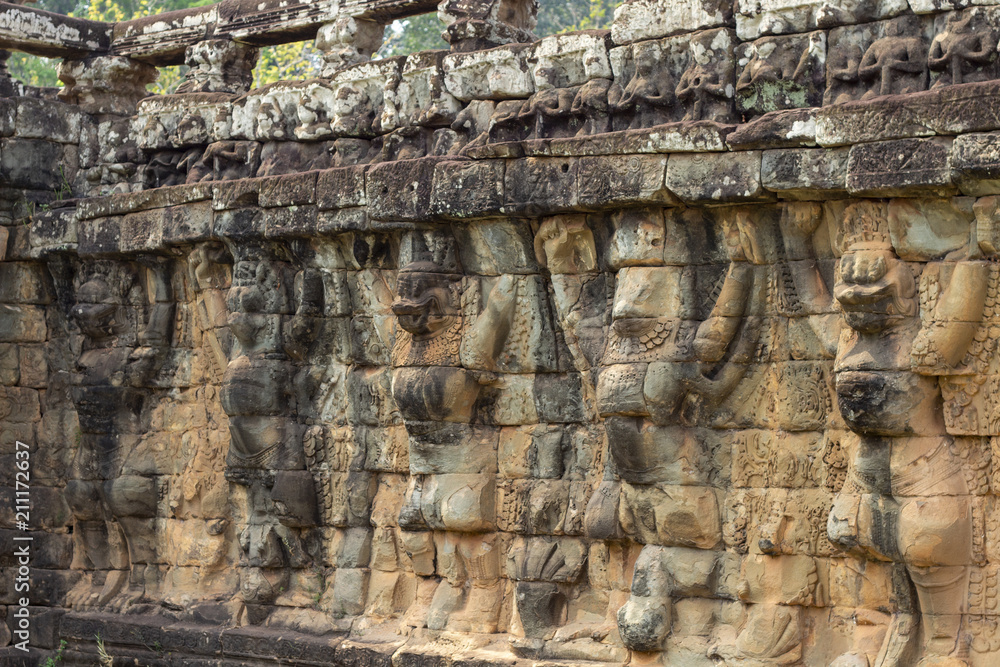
<point>671,355</point>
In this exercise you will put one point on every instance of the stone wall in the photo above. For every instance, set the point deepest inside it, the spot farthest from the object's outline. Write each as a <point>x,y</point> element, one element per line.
<point>674,343</point>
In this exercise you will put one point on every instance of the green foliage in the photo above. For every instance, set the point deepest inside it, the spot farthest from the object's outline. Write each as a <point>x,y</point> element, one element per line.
<point>420,33</point>
<point>102,653</point>
<point>423,33</point>
<point>33,70</point>
<point>298,60</point>
<point>556,16</point>
<point>52,661</point>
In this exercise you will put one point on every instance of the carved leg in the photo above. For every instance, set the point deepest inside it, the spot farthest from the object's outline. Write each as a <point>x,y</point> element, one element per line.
<point>470,562</point>
<point>644,621</point>
<point>935,538</point>
<point>419,546</point>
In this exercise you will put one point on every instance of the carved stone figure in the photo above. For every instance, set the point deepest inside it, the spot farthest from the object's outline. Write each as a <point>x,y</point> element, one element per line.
<point>219,66</point>
<point>439,371</point>
<point>125,340</point>
<point>781,73</point>
<point>348,41</point>
<point>670,344</point>
<point>706,87</point>
<point>265,454</point>
<point>896,63</point>
<point>907,496</point>
<point>963,51</point>
<point>649,96</point>
<point>105,84</point>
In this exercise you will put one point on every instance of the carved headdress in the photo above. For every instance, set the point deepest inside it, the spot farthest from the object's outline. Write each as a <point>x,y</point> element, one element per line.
<point>865,226</point>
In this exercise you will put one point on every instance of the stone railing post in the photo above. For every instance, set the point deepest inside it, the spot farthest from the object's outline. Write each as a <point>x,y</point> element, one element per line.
<point>473,25</point>
<point>348,41</point>
<point>219,66</point>
<point>105,84</point>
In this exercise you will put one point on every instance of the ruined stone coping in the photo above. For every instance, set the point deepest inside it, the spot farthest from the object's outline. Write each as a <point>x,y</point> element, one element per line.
<point>136,636</point>
<point>43,33</point>
<point>684,137</point>
<point>96,207</point>
<point>161,39</point>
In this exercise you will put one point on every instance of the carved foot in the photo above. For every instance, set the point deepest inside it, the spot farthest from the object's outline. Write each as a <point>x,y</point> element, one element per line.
<point>900,646</point>
<point>114,583</point>
<point>125,598</point>
<point>481,613</point>
<point>850,660</point>
<point>416,616</point>
<point>596,631</point>
<point>447,598</point>
<point>83,595</point>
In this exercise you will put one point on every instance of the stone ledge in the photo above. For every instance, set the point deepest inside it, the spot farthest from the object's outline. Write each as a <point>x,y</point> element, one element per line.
<point>970,107</point>
<point>153,640</point>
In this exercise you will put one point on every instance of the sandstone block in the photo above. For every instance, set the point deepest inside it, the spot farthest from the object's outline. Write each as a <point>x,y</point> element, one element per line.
<point>467,189</point>
<point>905,167</point>
<point>100,236</point>
<point>754,19</point>
<point>645,19</point>
<point>805,173</point>
<point>497,74</point>
<point>716,178</point>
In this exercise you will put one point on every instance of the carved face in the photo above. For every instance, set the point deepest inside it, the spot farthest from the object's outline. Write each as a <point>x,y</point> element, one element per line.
<point>425,305</point>
<point>96,311</point>
<point>255,288</point>
<point>565,246</point>
<point>875,289</point>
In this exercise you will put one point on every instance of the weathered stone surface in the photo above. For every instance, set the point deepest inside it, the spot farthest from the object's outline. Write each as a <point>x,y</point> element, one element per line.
<point>776,129</point>
<point>644,19</point>
<point>805,173</point>
<point>163,40</point>
<point>497,74</point>
<point>401,190</point>
<point>952,110</point>
<point>901,168</point>
<point>612,181</point>
<point>467,189</point>
<point>32,163</point>
<point>679,351</point>
<point>781,73</point>
<point>540,185</point>
<point>976,163</point>
<point>716,177</point>
<point>51,35</point>
<point>784,16</point>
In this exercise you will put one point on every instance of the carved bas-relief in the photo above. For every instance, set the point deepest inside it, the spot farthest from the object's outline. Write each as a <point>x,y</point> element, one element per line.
<point>909,496</point>
<point>448,519</point>
<point>123,344</point>
<point>268,321</point>
<point>668,344</point>
<point>680,343</point>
